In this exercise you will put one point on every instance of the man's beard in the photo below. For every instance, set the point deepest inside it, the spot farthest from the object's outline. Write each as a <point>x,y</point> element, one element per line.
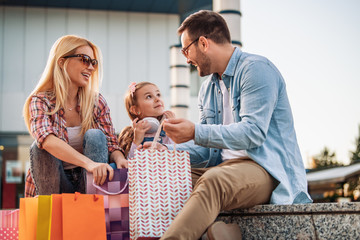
<point>204,64</point>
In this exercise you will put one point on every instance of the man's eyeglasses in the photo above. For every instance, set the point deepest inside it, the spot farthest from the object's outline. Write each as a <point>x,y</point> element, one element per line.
<point>85,59</point>
<point>185,50</point>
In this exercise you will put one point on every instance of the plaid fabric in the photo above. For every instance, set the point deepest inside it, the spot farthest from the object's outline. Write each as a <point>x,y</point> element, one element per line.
<point>42,124</point>
<point>30,190</point>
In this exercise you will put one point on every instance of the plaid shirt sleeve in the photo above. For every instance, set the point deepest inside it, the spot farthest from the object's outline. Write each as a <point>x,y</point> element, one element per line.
<point>40,122</point>
<point>30,190</point>
<point>104,123</point>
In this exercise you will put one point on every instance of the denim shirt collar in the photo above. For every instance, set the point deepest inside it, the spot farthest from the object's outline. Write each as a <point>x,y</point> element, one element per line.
<point>230,68</point>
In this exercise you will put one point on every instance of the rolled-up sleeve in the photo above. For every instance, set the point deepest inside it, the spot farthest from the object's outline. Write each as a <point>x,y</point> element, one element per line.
<point>105,125</point>
<point>41,124</point>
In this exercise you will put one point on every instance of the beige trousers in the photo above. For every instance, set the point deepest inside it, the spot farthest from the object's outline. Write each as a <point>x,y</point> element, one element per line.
<point>235,183</point>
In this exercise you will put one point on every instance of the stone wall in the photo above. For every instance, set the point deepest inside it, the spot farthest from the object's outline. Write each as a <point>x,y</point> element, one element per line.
<point>300,221</point>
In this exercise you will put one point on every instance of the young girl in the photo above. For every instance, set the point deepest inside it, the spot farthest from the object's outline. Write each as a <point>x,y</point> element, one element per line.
<point>145,108</point>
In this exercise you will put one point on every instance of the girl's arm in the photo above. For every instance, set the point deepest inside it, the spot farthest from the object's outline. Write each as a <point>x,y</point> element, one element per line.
<point>118,158</point>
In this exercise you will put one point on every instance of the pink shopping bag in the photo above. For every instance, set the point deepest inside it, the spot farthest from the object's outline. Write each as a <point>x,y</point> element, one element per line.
<point>9,224</point>
<point>159,185</point>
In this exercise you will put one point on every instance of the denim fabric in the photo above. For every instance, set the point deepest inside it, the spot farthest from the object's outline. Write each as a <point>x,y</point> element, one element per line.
<point>151,139</point>
<point>48,172</point>
<point>263,125</point>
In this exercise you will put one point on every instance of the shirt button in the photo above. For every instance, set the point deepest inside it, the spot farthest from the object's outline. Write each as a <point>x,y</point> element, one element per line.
<point>215,150</point>
<point>219,91</point>
<point>219,111</point>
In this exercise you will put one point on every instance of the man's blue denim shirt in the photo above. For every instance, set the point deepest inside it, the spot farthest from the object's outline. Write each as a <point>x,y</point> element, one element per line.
<point>264,125</point>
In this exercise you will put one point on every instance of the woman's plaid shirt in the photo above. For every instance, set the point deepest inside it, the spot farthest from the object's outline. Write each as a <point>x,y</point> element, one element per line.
<point>42,125</point>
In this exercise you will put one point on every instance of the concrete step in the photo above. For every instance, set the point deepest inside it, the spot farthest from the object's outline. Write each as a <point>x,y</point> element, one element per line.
<point>299,221</point>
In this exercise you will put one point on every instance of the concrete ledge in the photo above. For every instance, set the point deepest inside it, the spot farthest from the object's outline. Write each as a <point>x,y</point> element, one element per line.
<point>300,221</point>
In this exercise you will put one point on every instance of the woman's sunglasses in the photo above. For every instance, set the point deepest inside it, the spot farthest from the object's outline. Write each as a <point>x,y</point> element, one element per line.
<point>85,59</point>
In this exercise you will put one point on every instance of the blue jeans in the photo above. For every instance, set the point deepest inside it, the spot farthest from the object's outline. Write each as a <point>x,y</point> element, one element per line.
<point>48,172</point>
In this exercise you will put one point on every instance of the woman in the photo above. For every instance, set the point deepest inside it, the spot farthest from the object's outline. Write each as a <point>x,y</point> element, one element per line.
<point>70,121</point>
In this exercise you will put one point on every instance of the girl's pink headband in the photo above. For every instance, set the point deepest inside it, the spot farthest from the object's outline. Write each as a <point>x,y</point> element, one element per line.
<point>132,88</point>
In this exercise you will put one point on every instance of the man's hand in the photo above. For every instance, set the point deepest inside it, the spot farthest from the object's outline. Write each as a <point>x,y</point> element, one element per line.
<point>179,130</point>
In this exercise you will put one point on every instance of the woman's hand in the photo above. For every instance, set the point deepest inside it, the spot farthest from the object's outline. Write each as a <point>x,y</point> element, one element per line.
<point>100,171</point>
<point>140,128</point>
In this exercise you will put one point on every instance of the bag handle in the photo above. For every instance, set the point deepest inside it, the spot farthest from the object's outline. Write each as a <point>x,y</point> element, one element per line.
<point>112,193</point>
<point>157,134</point>
<point>77,194</point>
<point>156,138</point>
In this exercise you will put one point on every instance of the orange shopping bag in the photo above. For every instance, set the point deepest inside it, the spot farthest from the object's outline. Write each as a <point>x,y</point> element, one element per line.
<point>56,232</point>
<point>83,216</point>
<point>28,218</point>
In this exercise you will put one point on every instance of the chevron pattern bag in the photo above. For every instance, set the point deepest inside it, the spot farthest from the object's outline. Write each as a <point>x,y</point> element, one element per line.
<point>159,185</point>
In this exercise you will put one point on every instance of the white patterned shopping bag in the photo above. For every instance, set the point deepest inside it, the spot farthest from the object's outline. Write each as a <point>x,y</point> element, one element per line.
<point>159,185</point>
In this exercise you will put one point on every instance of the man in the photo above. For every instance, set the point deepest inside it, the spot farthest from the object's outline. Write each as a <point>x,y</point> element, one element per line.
<point>246,133</point>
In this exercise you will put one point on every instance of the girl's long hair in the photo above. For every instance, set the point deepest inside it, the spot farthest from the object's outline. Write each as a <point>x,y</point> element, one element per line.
<point>126,136</point>
<point>55,81</point>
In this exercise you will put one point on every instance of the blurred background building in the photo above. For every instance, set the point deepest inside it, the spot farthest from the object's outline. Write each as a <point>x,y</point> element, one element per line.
<point>138,41</point>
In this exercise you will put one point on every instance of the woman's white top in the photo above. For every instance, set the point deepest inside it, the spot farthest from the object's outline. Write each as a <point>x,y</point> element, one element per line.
<point>76,141</point>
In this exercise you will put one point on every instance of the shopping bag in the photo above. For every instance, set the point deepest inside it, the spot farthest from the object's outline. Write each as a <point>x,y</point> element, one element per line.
<point>43,219</point>
<point>159,185</point>
<point>9,218</point>
<point>83,216</point>
<point>116,203</point>
<point>9,224</point>
<point>56,232</point>
<point>8,233</point>
<point>28,218</point>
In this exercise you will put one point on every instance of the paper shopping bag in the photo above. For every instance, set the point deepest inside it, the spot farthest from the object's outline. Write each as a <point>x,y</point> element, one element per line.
<point>8,233</point>
<point>28,218</point>
<point>9,224</point>
<point>116,203</point>
<point>159,185</point>
<point>56,229</point>
<point>43,219</point>
<point>83,216</point>
<point>9,218</point>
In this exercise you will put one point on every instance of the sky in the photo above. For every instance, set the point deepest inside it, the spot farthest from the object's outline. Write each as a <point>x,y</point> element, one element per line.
<point>316,47</point>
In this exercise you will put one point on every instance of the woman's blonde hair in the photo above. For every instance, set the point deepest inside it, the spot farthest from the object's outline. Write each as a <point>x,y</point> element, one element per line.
<point>126,136</point>
<point>56,81</point>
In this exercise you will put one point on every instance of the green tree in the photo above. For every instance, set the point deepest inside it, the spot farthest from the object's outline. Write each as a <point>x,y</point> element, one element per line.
<point>326,159</point>
<point>355,156</point>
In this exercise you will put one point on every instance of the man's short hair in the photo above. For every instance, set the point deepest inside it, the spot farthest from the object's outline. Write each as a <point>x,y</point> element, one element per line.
<point>206,23</point>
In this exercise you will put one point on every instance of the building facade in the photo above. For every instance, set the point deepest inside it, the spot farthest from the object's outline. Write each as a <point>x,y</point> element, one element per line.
<point>135,38</point>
